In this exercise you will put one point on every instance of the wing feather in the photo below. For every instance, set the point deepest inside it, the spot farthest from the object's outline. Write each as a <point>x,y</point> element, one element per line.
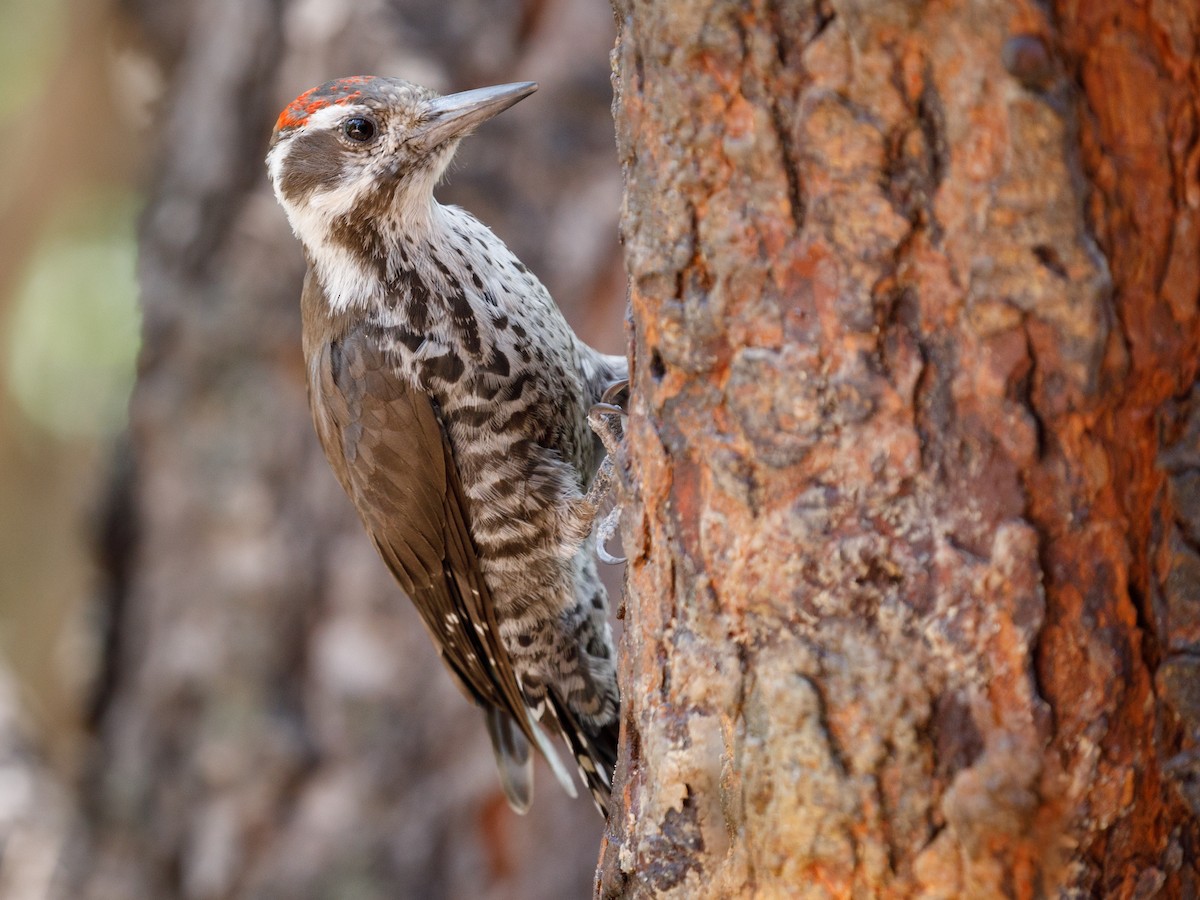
<point>388,448</point>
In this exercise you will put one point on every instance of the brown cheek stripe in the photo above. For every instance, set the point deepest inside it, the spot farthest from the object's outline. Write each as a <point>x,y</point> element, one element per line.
<point>313,161</point>
<point>339,92</point>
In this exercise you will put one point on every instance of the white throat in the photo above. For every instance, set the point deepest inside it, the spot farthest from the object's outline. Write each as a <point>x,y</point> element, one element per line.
<point>345,278</point>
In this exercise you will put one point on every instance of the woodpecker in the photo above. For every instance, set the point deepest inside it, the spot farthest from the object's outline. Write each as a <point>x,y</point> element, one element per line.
<point>452,401</point>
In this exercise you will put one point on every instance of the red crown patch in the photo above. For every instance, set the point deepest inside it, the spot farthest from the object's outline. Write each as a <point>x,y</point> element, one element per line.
<point>343,90</point>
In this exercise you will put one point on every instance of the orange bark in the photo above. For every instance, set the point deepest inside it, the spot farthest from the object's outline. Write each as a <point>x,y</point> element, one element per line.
<point>912,523</point>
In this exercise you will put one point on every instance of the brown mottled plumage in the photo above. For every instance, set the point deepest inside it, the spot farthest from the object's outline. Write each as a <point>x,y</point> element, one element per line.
<point>451,399</point>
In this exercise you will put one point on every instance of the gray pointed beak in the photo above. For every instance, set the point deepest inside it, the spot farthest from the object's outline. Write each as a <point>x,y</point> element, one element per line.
<point>456,115</point>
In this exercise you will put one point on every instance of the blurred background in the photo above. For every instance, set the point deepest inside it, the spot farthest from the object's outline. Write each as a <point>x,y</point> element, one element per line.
<point>208,685</point>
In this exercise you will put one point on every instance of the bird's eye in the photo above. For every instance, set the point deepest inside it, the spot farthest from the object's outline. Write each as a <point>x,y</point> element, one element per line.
<point>359,129</point>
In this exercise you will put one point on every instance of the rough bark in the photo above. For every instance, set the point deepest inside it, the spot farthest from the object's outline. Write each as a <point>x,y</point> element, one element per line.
<point>271,720</point>
<point>912,461</point>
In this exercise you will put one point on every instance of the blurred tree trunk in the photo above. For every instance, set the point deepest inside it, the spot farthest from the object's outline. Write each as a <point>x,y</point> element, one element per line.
<point>913,506</point>
<point>271,720</point>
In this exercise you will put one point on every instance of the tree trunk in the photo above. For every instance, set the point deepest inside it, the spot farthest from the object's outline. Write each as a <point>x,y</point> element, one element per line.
<point>272,720</point>
<point>913,494</point>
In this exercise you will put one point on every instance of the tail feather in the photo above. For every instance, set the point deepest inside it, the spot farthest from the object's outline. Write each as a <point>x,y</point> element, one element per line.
<point>513,762</point>
<point>594,749</point>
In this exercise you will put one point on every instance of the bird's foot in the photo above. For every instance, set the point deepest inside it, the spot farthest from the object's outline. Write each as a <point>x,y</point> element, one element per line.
<point>606,419</point>
<point>604,533</point>
<point>583,512</point>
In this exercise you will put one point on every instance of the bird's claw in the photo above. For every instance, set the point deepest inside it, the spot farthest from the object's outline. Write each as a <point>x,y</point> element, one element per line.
<point>607,409</point>
<point>604,534</point>
<point>609,405</point>
<point>615,390</point>
<point>610,432</point>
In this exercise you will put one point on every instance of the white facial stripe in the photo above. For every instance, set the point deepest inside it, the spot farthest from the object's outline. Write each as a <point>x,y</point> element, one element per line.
<point>275,164</point>
<point>344,279</point>
<point>338,199</point>
<point>329,116</point>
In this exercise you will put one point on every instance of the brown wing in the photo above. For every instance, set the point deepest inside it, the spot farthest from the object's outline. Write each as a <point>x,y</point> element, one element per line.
<point>392,456</point>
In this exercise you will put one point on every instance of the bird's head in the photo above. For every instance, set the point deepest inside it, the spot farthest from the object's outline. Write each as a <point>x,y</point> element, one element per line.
<point>371,147</point>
